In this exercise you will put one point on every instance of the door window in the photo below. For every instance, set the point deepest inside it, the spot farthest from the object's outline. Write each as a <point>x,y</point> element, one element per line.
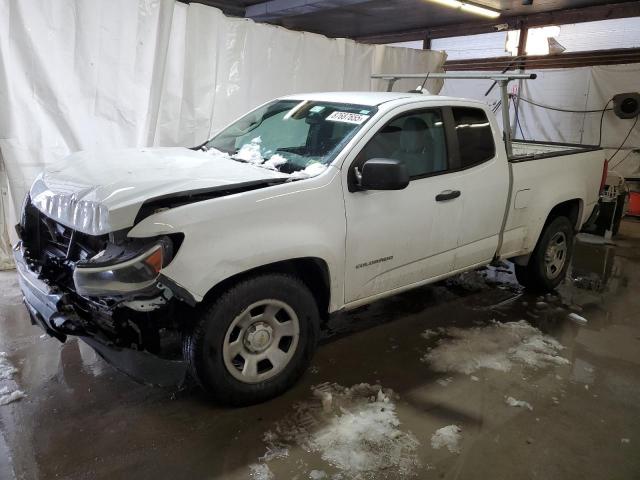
<point>416,138</point>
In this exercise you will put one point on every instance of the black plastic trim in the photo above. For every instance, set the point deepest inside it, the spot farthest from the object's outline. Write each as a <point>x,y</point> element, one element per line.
<point>443,197</point>
<point>178,290</point>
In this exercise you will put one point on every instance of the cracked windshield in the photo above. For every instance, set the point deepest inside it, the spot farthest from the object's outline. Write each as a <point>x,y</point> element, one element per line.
<point>295,137</point>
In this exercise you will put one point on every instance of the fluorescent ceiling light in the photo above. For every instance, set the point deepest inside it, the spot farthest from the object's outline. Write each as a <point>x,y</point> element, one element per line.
<point>468,7</point>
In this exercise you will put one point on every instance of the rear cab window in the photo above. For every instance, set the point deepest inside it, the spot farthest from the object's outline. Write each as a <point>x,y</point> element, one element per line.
<point>474,134</point>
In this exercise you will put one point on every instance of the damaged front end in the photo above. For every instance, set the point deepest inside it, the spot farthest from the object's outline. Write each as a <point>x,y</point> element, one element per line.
<point>108,290</point>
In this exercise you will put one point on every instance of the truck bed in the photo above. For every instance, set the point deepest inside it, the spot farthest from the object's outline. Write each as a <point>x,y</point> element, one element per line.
<point>543,175</point>
<point>524,150</point>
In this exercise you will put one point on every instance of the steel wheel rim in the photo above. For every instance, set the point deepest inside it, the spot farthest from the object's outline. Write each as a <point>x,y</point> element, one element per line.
<point>555,256</point>
<point>261,341</point>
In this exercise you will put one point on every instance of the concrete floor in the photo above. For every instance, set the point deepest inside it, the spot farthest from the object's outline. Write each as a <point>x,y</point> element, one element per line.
<point>81,419</point>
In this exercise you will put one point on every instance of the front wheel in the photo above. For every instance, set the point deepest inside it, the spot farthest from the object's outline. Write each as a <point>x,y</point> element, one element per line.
<point>550,259</point>
<point>255,340</point>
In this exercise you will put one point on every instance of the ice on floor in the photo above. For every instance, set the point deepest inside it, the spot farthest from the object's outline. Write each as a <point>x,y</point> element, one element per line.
<point>449,437</point>
<point>358,441</point>
<point>273,449</point>
<point>7,396</point>
<point>7,370</point>
<point>444,382</point>
<point>317,475</point>
<point>260,471</point>
<point>326,398</point>
<point>428,334</point>
<point>357,432</point>
<point>497,346</point>
<point>512,402</point>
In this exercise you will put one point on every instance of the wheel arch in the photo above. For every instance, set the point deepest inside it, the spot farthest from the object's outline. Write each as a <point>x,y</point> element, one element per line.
<point>312,271</point>
<point>572,209</point>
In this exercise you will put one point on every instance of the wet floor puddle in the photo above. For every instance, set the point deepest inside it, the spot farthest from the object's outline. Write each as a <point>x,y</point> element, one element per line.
<point>420,385</point>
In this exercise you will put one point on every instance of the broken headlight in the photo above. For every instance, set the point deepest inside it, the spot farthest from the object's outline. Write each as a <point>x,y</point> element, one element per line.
<point>98,277</point>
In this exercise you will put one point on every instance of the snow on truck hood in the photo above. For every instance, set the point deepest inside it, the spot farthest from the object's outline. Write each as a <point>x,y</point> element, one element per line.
<point>100,192</point>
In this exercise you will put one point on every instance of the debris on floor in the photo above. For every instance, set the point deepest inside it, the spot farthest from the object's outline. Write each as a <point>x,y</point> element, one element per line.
<point>575,318</point>
<point>497,346</point>
<point>355,430</point>
<point>512,402</point>
<point>591,239</point>
<point>449,437</point>
<point>472,281</point>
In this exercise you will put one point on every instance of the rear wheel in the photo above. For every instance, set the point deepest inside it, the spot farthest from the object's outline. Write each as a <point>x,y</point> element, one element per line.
<point>550,259</point>
<point>255,340</point>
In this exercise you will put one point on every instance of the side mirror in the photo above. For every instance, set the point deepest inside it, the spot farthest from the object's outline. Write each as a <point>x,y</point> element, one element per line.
<point>383,174</point>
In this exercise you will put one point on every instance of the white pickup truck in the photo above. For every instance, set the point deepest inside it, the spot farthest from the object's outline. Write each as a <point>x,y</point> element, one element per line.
<point>224,260</point>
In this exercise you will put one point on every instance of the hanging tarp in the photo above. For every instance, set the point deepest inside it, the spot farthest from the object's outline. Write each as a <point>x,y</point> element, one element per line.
<point>107,74</point>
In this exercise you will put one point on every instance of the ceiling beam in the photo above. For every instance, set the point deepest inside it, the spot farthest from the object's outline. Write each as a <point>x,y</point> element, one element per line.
<point>562,60</point>
<point>276,9</point>
<point>557,17</point>
<point>229,9</point>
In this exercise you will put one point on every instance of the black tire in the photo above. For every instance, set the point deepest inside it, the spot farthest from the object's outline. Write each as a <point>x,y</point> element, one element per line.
<point>534,275</point>
<point>203,345</point>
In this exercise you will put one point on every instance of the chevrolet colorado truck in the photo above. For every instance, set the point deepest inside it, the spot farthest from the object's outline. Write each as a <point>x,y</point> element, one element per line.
<point>223,261</point>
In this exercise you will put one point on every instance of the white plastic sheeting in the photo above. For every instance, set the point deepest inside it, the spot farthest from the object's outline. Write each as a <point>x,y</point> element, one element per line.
<point>584,88</point>
<point>104,74</point>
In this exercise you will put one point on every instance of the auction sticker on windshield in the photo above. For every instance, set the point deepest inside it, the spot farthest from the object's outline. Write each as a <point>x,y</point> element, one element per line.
<point>347,117</point>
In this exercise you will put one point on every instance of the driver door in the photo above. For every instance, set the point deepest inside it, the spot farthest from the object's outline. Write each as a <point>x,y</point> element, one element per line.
<point>399,238</point>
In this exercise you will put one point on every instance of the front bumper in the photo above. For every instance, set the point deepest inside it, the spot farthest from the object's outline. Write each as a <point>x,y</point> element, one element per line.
<point>53,310</point>
<point>42,301</point>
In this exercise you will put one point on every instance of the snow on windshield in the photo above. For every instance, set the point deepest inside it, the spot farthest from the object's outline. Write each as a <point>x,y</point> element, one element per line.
<point>251,153</point>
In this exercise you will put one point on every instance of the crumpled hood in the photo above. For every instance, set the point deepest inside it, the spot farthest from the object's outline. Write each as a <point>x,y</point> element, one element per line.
<point>101,192</point>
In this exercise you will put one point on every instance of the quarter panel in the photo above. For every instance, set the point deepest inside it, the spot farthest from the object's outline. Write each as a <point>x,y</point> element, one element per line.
<point>551,181</point>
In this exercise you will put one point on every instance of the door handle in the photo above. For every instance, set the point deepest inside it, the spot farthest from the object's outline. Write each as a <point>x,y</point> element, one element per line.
<point>447,195</point>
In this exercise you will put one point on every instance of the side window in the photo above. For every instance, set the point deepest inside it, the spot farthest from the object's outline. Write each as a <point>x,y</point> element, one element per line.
<point>475,137</point>
<point>417,138</point>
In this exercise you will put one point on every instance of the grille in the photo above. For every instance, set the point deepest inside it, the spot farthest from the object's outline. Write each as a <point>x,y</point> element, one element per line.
<point>53,248</point>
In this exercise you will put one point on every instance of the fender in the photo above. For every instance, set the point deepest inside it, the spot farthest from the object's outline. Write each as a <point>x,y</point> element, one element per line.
<point>229,235</point>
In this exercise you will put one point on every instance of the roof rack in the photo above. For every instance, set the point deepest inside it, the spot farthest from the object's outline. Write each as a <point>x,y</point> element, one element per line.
<point>501,79</point>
